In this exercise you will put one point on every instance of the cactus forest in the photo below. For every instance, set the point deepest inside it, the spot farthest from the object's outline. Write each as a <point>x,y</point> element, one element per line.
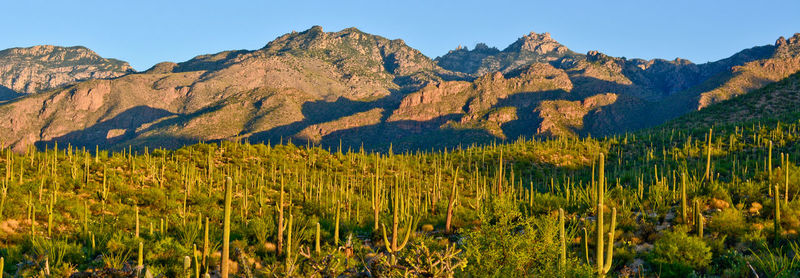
<point>661,202</point>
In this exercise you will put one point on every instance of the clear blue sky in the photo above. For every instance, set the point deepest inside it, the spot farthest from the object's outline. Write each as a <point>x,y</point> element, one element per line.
<point>147,32</point>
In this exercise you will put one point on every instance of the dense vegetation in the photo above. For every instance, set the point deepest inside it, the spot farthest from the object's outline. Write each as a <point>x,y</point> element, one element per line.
<point>661,202</point>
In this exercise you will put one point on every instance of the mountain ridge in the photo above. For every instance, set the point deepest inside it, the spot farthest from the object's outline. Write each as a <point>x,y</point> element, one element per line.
<point>357,88</point>
<point>27,70</point>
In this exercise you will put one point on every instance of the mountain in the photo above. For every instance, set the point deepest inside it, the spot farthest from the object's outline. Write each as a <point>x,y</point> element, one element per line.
<point>43,67</point>
<point>355,89</point>
<point>297,80</point>
<point>775,102</point>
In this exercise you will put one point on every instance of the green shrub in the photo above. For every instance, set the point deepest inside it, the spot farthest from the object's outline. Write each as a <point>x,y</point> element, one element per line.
<point>508,244</point>
<point>677,254</point>
<point>730,222</point>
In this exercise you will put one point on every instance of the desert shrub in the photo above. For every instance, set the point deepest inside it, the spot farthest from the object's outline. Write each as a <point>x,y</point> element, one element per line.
<point>261,229</point>
<point>509,244</point>
<point>677,254</point>
<point>790,215</point>
<point>167,252</point>
<point>729,222</point>
<point>730,263</point>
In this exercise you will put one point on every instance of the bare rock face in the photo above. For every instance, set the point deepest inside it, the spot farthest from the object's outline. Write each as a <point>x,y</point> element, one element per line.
<point>43,67</point>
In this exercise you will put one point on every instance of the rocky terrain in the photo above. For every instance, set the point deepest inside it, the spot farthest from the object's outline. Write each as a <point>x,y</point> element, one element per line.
<point>353,88</point>
<point>43,67</point>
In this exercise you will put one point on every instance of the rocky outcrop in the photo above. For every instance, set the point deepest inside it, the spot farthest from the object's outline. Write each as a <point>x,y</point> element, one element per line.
<point>539,44</point>
<point>531,48</point>
<point>566,118</point>
<point>39,68</point>
<point>464,60</point>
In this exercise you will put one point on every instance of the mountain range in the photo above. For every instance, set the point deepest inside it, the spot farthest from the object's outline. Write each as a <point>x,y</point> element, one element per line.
<point>356,89</point>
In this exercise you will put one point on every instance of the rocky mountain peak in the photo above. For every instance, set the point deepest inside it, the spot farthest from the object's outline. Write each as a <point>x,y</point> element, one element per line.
<point>786,48</point>
<point>530,48</point>
<point>790,47</point>
<point>791,41</point>
<point>541,44</point>
<point>594,55</point>
<point>43,67</point>
<point>352,50</point>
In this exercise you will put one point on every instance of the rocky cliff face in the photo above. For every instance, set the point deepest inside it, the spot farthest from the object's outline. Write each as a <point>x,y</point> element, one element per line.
<point>356,88</point>
<point>44,67</point>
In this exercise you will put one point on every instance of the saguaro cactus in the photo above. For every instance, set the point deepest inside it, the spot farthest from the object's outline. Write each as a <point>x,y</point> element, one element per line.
<point>684,207</point>
<point>205,243</point>
<point>603,266</point>
<point>289,260</point>
<point>137,222</point>
<point>562,262</point>
<point>393,246</point>
<point>698,219</point>
<point>707,176</point>
<point>777,219</point>
<point>317,248</point>
<point>226,228</point>
<point>376,197</point>
<point>769,160</point>
<point>85,217</point>
<point>786,171</point>
<point>187,265</point>
<point>451,204</point>
<point>336,228</point>
<point>50,215</point>
<point>279,206</point>
<point>3,194</point>
<point>140,256</point>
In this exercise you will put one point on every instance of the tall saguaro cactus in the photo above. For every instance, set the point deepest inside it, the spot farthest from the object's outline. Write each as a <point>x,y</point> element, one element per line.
<point>140,256</point>
<point>316,242</point>
<point>769,160</point>
<point>226,228</point>
<point>376,197</point>
<point>281,227</point>
<point>604,264</point>
<point>777,200</point>
<point>707,176</point>
<point>205,243</point>
<point>562,260</point>
<point>3,194</point>
<point>136,234</point>
<point>684,208</point>
<point>336,228</point>
<point>786,171</point>
<point>393,246</point>
<point>289,260</point>
<point>451,204</point>
<point>698,218</point>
